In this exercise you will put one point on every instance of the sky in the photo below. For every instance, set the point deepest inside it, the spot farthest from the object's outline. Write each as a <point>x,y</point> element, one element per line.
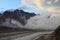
<point>43,5</point>
<point>37,6</point>
<point>9,4</point>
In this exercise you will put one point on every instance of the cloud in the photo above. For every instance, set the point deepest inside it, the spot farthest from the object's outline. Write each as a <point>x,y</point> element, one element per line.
<point>49,2</point>
<point>24,7</point>
<point>55,14</point>
<point>36,3</point>
<point>54,10</point>
<point>47,5</point>
<point>42,22</point>
<point>56,1</point>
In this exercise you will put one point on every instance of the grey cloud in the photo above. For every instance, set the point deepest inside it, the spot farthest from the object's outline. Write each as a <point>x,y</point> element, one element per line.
<point>53,3</point>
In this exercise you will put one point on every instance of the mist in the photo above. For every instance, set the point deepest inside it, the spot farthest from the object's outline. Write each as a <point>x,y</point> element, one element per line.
<point>43,22</point>
<point>13,23</point>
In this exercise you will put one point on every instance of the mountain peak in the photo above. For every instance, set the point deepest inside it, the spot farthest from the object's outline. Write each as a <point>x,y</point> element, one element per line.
<point>18,15</point>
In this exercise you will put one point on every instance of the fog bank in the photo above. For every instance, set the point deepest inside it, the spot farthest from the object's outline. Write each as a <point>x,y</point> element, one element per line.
<point>43,22</point>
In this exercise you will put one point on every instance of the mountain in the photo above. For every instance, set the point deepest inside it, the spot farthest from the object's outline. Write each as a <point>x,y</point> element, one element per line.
<point>10,16</point>
<point>23,14</point>
<point>0,14</point>
<point>26,14</point>
<point>20,13</point>
<point>16,18</point>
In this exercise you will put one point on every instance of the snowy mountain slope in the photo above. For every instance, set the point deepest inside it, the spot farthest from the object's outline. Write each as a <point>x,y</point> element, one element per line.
<point>43,22</point>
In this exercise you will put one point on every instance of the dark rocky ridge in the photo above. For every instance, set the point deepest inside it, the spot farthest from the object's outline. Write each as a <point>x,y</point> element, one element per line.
<point>18,15</point>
